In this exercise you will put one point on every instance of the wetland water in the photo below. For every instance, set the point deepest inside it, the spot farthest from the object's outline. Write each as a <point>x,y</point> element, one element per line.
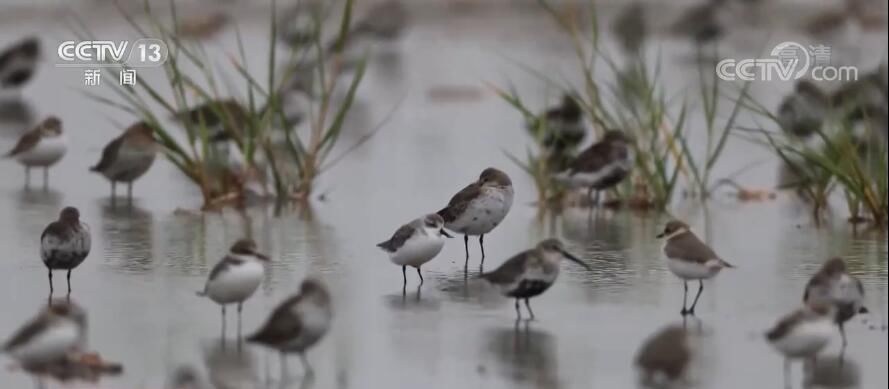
<point>138,283</point>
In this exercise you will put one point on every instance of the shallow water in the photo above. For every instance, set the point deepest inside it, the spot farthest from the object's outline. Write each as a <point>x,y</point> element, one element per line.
<point>138,284</point>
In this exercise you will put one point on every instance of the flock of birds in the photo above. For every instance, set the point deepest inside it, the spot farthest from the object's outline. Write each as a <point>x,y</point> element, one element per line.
<point>831,298</point>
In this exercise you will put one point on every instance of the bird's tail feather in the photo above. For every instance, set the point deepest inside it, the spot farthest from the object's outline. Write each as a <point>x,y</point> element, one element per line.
<point>201,293</point>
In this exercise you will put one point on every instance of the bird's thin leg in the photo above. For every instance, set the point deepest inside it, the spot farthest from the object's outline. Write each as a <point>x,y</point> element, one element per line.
<point>419,273</point>
<point>306,366</point>
<point>50,282</point>
<point>528,305</point>
<point>69,281</point>
<point>27,177</point>
<point>787,384</point>
<point>45,177</point>
<point>283,358</point>
<point>684,299</point>
<point>843,335</point>
<point>466,246</point>
<point>404,274</point>
<point>695,303</point>
<point>223,325</point>
<point>518,312</point>
<point>589,196</point>
<point>130,193</point>
<point>481,242</point>
<point>113,190</point>
<point>240,308</point>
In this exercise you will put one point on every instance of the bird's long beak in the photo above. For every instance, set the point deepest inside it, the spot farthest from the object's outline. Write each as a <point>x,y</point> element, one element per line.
<point>661,235</point>
<point>574,259</point>
<point>445,233</point>
<point>261,256</point>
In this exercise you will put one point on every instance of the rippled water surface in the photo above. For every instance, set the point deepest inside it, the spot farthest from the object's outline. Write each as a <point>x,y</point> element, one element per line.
<point>148,260</point>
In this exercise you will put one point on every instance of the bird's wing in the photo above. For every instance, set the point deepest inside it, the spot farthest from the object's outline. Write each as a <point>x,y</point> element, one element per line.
<point>689,247</point>
<point>282,325</point>
<point>509,270</point>
<point>25,143</point>
<point>784,325</point>
<point>459,202</point>
<point>397,240</point>
<point>109,154</point>
<point>817,289</point>
<point>591,159</point>
<point>26,333</point>
<point>226,262</point>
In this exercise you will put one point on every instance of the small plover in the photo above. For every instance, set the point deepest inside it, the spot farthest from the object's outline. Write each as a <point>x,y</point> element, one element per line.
<point>416,243</point>
<point>235,278</point>
<point>479,207</point>
<point>601,166</point>
<point>530,273</point>
<point>65,243</point>
<point>51,336</point>
<point>664,356</point>
<point>128,157</point>
<point>802,334</point>
<point>690,259</point>
<point>833,285</point>
<point>565,129</point>
<point>802,112</point>
<point>18,63</point>
<point>297,323</point>
<point>40,147</point>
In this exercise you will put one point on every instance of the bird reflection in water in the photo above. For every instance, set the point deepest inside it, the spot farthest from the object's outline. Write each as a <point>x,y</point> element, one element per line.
<point>663,359</point>
<point>229,367</point>
<point>129,233</point>
<point>525,355</point>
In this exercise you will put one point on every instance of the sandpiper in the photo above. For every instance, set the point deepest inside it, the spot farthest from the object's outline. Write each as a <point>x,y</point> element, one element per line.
<point>64,244</point>
<point>872,89</point>
<point>128,157</point>
<point>217,116</point>
<point>664,356</point>
<point>42,146</point>
<point>601,166</point>
<point>378,29</point>
<point>833,284</point>
<point>297,323</point>
<point>690,259</point>
<point>479,207</point>
<point>701,22</point>
<point>630,29</point>
<point>416,243</point>
<point>51,336</point>
<point>802,334</point>
<point>530,273</point>
<point>18,63</point>
<point>235,278</point>
<point>565,129</point>
<point>802,112</point>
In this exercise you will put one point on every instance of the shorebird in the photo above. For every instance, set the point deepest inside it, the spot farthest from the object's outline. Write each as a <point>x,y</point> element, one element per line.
<point>479,207</point>
<point>297,323</point>
<point>630,30</point>
<point>802,334</point>
<point>128,157</point>
<point>664,356</point>
<point>530,273</point>
<point>803,111</point>
<point>64,244</point>
<point>416,243</point>
<point>601,166</point>
<point>833,285</point>
<point>235,278</point>
<point>51,336</point>
<point>868,90</point>
<point>217,116</point>
<point>381,25</point>
<point>40,147</point>
<point>701,22</point>
<point>690,259</point>
<point>565,129</point>
<point>18,63</point>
